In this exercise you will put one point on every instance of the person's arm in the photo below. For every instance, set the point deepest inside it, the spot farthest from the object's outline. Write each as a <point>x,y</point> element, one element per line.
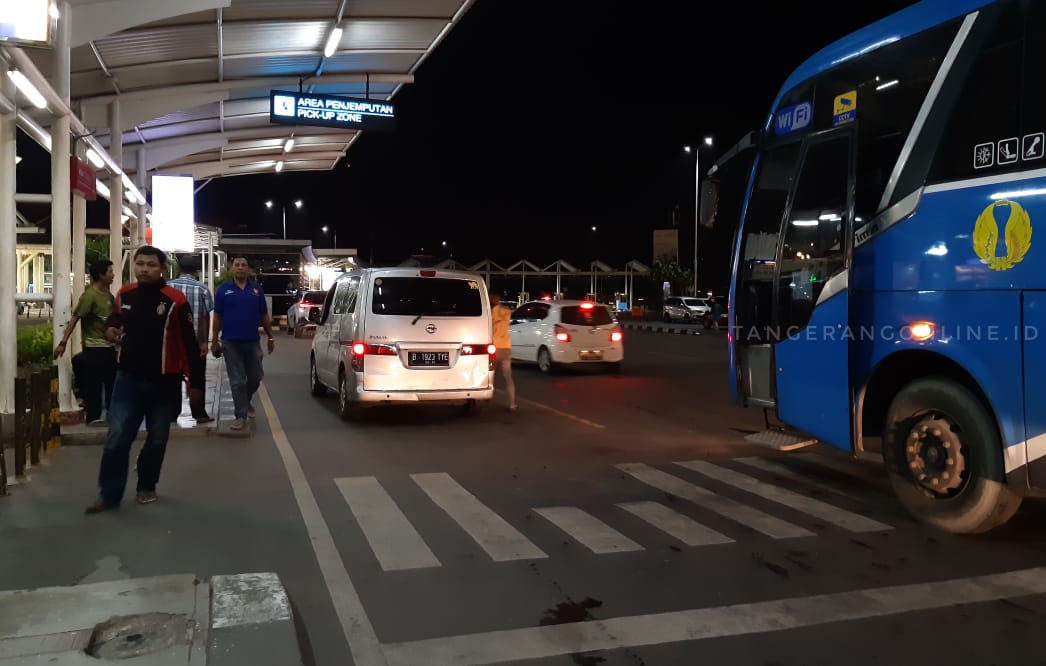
<point>204,328</point>
<point>188,332</point>
<point>69,328</point>
<point>266,320</point>
<point>216,329</point>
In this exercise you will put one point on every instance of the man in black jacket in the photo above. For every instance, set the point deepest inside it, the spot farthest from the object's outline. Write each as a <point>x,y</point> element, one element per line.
<point>152,325</point>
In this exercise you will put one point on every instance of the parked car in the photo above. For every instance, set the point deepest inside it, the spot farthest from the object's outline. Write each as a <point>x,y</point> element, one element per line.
<point>404,335</point>
<point>685,309</point>
<point>560,333</point>
<point>304,312</point>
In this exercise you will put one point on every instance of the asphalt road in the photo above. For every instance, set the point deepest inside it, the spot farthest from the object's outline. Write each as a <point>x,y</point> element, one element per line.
<point>612,519</point>
<point>542,535</point>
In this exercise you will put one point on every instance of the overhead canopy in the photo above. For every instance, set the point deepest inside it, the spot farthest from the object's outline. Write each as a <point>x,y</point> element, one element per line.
<point>193,77</point>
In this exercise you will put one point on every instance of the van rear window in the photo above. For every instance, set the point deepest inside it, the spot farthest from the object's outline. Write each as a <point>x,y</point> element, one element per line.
<point>576,316</point>
<point>444,297</point>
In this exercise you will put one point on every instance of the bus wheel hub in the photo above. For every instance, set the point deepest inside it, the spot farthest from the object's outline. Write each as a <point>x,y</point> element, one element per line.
<point>934,455</point>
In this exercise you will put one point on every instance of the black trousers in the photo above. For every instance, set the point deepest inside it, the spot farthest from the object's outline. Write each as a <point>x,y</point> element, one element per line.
<point>95,374</point>
<point>198,386</point>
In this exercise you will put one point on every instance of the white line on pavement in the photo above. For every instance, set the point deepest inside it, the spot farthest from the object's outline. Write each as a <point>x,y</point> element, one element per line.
<point>675,524</point>
<point>589,531</point>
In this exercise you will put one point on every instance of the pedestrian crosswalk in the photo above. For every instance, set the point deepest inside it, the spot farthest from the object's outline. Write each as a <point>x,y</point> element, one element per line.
<point>742,498</point>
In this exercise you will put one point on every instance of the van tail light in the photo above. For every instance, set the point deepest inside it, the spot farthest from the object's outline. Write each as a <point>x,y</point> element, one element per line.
<point>562,334</point>
<point>616,336</point>
<point>478,350</point>
<point>428,273</point>
<point>360,350</point>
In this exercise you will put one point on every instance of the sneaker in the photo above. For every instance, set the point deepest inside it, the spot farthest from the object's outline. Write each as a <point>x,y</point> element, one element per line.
<point>146,497</point>
<point>204,419</point>
<point>237,425</point>
<point>97,423</point>
<point>513,408</point>
<point>99,506</point>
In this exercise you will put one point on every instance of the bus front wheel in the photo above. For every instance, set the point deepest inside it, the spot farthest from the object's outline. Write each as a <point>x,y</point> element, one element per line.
<point>944,458</point>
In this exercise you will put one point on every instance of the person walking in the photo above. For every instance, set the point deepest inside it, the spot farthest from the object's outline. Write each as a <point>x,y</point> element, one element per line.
<point>202,304</point>
<point>152,323</point>
<point>500,317</point>
<point>239,310</point>
<point>96,366</point>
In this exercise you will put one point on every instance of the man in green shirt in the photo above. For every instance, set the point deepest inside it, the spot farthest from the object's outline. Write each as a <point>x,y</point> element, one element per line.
<point>96,368</point>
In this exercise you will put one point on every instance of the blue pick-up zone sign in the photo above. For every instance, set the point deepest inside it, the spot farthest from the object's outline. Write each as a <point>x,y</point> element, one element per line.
<point>793,118</point>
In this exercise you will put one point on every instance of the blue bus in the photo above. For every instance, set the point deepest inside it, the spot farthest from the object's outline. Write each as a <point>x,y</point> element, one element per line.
<point>887,295</point>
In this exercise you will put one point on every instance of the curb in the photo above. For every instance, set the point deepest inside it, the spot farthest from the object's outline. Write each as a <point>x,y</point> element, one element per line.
<point>252,622</point>
<point>663,328</point>
<point>84,436</point>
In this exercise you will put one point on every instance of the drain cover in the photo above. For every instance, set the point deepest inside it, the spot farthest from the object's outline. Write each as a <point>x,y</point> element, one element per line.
<point>131,636</point>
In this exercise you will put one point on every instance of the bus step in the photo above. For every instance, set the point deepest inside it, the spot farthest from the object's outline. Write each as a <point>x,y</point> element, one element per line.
<point>781,440</point>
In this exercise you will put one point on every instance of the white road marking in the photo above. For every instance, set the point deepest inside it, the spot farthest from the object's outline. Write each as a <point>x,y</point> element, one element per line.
<point>675,524</point>
<point>513,645</point>
<point>830,514</point>
<point>724,506</point>
<point>589,531</point>
<point>786,472</point>
<point>395,542</point>
<point>492,532</point>
<point>359,633</point>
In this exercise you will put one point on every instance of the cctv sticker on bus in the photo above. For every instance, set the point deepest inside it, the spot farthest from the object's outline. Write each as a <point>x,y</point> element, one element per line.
<point>793,118</point>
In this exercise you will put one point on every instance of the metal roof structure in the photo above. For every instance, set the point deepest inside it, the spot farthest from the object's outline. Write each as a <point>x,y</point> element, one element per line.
<point>192,77</point>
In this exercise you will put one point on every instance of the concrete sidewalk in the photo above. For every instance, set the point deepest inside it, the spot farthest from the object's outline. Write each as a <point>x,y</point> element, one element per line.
<point>233,620</point>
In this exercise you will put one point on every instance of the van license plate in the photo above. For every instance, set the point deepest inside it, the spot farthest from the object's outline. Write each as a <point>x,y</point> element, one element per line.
<point>428,359</point>
<point>591,355</point>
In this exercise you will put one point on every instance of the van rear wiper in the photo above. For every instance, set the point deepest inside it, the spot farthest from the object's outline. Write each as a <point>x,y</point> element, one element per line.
<point>420,315</point>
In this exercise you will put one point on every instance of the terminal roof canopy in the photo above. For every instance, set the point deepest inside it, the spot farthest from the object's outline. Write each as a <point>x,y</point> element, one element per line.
<point>193,76</point>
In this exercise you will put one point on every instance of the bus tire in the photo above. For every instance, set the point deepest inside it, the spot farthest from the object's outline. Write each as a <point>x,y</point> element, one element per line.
<point>943,455</point>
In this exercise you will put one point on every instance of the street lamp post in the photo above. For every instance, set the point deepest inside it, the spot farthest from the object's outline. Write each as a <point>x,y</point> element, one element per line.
<point>298,203</point>
<point>707,141</point>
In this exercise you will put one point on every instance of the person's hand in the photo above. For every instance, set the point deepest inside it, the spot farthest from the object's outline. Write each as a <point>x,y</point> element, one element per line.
<point>203,350</point>
<point>114,335</point>
<point>59,349</point>
<point>272,344</point>
<point>216,348</point>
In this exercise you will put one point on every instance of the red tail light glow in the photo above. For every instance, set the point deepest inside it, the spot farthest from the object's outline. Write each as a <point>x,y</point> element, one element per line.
<point>492,350</point>
<point>477,350</point>
<point>359,349</point>
<point>562,334</point>
<point>616,336</point>
<point>588,305</point>
<point>428,273</point>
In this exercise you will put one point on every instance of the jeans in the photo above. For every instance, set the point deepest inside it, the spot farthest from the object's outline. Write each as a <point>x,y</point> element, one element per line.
<point>134,399</point>
<point>243,362</point>
<point>96,371</point>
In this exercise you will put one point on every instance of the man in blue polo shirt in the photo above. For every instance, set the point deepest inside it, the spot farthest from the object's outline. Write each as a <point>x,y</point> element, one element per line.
<point>239,309</point>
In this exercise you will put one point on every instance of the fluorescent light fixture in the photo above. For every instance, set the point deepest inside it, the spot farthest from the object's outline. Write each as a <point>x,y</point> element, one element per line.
<point>1016,194</point>
<point>27,88</point>
<point>173,214</point>
<point>831,217</point>
<point>95,158</point>
<point>938,250</point>
<point>888,84</point>
<point>332,42</point>
<point>805,223</point>
<point>288,145</point>
<point>279,166</point>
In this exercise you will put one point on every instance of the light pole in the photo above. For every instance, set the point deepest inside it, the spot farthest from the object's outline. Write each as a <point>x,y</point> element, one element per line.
<point>298,203</point>
<point>326,229</point>
<point>707,141</point>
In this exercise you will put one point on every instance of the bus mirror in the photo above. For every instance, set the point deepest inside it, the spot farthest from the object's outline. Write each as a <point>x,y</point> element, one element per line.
<point>709,202</point>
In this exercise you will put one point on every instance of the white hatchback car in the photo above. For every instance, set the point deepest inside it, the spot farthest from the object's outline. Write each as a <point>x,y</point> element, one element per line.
<point>551,333</point>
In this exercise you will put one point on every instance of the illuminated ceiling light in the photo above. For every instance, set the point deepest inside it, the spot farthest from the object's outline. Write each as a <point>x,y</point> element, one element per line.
<point>95,158</point>
<point>27,88</point>
<point>804,223</point>
<point>888,84</point>
<point>288,145</point>
<point>268,204</point>
<point>332,42</point>
<point>279,166</point>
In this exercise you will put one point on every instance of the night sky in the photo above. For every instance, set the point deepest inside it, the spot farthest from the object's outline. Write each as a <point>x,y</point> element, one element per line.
<point>534,121</point>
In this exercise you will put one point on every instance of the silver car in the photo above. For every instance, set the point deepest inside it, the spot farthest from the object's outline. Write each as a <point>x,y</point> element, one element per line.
<point>686,309</point>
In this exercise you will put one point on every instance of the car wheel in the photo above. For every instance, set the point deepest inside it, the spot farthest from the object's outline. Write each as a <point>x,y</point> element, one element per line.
<point>347,409</point>
<point>545,364</point>
<point>290,326</point>
<point>943,455</point>
<point>686,319</point>
<point>298,330</point>
<point>315,387</point>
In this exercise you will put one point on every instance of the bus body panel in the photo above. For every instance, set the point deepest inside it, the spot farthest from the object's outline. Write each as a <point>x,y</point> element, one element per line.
<point>731,324</point>
<point>819,352</point>
<point>1034,391</point>
<point>986,349</point>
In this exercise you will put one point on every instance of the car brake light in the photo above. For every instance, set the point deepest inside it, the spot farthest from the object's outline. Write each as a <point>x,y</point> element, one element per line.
<point>359,349</point>
<point>428,273</point>
<point>476,350</point>
<point>562,334</point>
<point>492,350</point>
<point>587,306</point>
<point>616,336</point>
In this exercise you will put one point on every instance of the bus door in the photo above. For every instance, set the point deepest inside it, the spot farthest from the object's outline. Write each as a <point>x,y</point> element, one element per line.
<point>789,286</point>
<point>811,299</point>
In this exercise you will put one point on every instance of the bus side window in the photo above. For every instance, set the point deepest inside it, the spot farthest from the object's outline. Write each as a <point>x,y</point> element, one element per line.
<point>813,249</point>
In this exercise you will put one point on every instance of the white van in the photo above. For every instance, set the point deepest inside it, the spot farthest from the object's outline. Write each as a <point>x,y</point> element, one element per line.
<point>396,335</point>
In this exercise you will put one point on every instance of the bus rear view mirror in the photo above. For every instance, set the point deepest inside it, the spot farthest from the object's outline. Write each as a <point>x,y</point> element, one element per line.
<point>709,202</point>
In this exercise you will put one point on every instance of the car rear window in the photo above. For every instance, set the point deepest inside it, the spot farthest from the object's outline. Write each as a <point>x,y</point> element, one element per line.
<point>578,316</point>
<point>315,297</point>
<point>444,297</point>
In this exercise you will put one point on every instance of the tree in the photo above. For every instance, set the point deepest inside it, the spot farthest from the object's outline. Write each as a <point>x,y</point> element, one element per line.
<point>678,278</point>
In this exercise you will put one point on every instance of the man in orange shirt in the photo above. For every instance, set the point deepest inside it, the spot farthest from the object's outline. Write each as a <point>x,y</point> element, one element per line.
<point>500,316</point>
